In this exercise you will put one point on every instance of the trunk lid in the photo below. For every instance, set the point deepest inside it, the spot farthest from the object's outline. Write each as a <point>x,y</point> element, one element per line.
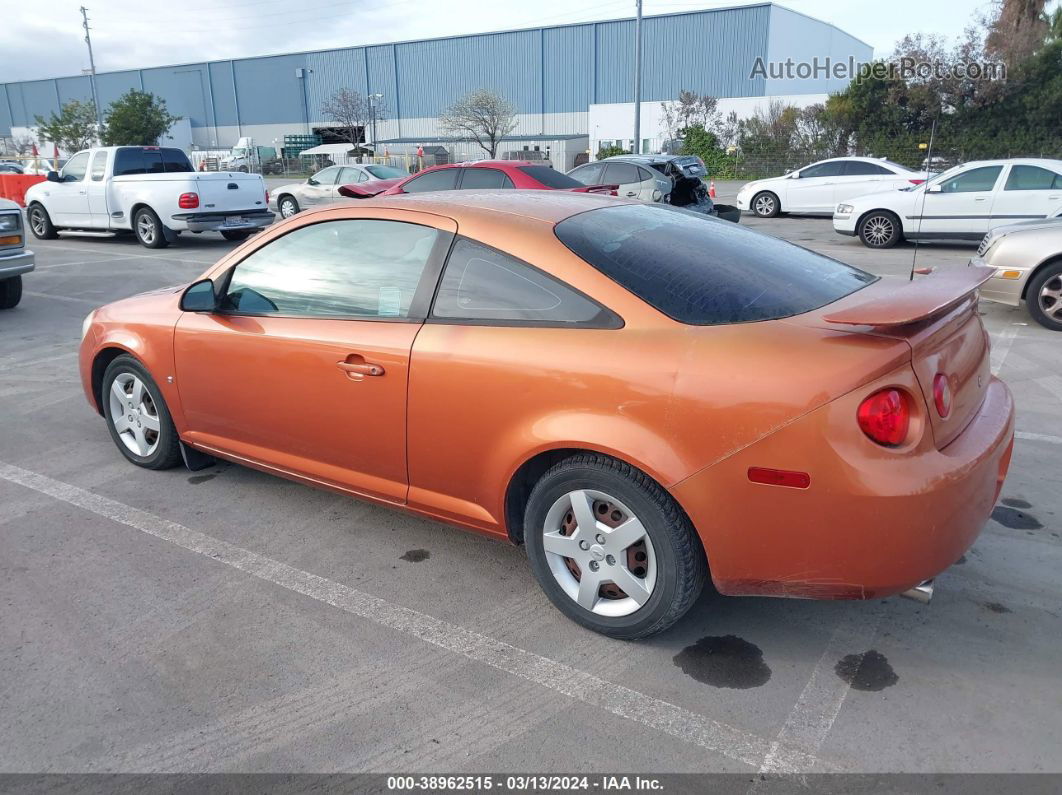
<point>219,192</point>
<point>937,317</point>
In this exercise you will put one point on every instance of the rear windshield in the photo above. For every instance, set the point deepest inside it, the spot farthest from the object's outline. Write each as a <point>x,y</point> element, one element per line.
<point>550,178</point>
<point>386,172</point>
<point>703,271</point>
<point>134,160</point>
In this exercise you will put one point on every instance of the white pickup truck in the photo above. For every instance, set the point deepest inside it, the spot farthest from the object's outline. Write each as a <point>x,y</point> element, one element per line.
<point>149,190</point>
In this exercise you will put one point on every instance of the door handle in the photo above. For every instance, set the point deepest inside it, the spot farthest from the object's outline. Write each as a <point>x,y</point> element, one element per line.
<point>82,192</point>
<point>632,193</point>
<point>980,198</point>
<point>356,367</point>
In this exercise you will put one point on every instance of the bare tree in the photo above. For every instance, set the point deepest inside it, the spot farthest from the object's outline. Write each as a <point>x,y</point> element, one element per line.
<point>669,122</point>
<point>22,144</point>
<point>350,111</point>
<point>482,117</point>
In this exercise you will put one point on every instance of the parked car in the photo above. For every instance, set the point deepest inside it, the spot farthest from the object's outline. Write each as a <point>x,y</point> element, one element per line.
<point>15,258</point>
<point>808,429</point>
<point>817,188</point>
<point>493,175</point>
<point>1026,258</point>
<point>11,167</point>
<point>323,187</point>
<point>677,180</point>
<point>961,204</point>
<point>151,190</point>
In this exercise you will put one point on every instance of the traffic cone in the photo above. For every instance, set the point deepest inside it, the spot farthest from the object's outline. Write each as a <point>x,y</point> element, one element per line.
<point>711,189</point>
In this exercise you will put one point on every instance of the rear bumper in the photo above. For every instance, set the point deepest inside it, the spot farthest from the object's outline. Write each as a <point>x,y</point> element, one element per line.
<point>874,522</point>
<point>15,264</point>
<point>1000,290</point>
<point>216,222</point>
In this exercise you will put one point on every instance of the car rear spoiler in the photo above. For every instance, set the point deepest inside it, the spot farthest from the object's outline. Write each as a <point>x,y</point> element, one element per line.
<point>911,302</point>
<point>611,190</point>
<point>359,192</point>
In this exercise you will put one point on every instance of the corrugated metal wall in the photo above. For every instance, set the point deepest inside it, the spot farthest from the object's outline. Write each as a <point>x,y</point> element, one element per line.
<point>556,70</point>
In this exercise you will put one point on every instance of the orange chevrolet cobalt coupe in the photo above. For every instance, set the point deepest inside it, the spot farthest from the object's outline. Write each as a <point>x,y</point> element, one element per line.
<point>640,395</point>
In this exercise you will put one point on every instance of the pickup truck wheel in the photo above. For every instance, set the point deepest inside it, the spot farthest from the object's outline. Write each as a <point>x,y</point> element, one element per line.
<point>235,235</point>
<point>10,292</point>
<point>149,229</point>
<point>41,223</point>
<point>288,206</point>
<point>137,416</point>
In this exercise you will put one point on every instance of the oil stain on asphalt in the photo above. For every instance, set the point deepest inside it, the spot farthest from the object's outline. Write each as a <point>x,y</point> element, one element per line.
<point>1010,516</point>
<point>867,671</point>
<point>196,479</point>
<point>416,555</point>
<point>996,607</point>
<point>724,661</point>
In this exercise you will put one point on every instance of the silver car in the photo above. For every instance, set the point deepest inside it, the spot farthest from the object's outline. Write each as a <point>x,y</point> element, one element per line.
<point>1027,258</point>
<point>323,187</point>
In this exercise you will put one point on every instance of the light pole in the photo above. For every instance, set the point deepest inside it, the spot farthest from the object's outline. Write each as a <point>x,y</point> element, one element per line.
<point>92,69</point>
<point>372,115</point>
<point>637,148</point>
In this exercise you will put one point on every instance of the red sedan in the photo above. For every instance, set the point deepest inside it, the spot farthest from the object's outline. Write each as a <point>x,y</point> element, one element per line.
<point>482,175</point>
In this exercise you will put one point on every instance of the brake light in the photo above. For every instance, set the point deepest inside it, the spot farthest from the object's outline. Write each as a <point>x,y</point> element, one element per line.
<point>916,181</point>
<point>885,417</point>
<point>942,394</point>
<point>188,201</point>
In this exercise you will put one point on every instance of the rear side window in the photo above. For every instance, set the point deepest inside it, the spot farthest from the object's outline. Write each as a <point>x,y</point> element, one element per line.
<point>99,166</point>
<point>703,271</point>
<point>621,174</point>
<point>484,178</point>
<point>486,286</point>
<point>544,175</point>
<point>443,179</point>
<point>857,168</point>
<point>1032,178</point>
<point>589,174</point>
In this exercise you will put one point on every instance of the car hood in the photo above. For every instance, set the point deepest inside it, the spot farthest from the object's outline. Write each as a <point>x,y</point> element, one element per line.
<point>756,184</point>
<point>891,199</point>
<point>1054,222</point>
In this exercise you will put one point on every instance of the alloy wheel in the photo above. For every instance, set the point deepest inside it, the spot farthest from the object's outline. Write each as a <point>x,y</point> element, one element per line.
<point>878,230</point>
<point>145,229</point>
<point>764,206</point>
<point>134,414</point>
<point>599,553</point>
<point>1050,298</point>
<point>36,220</point>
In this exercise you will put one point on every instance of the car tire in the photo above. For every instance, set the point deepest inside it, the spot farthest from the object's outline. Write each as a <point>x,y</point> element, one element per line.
<point>288,206</point>
<point>667,564</point>
<point>148,229</point>
<point>765,204</point>
<point>880,229</point>
<point>130,417</point>
<point>235,235</point>
<point>10,292</point>
<point>1044,297</point>
<point>40,223</point>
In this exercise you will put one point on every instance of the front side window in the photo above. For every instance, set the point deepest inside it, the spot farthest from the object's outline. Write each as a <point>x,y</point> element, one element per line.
<point>326,176</point>
<point>1032,178</point>
<point>443,179</point>
<point>99,166</point>
<point>75,168</point>
<point>484,178</point>
<point>352,268</point>
<point>972,181</point>
<point>833,168</point>
<point>482,284</point>
<point>703,271</point>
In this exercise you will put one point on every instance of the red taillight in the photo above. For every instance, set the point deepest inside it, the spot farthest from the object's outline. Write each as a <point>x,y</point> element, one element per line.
<point>885,417</point>
<point>188,201</point>
<point>780,477</point>
<point>942,394</point>
<point>916,181</point>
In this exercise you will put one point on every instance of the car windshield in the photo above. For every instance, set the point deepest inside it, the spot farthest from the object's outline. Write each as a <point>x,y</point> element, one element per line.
<point>703,271</point>
<point>550,178</point>
<point>386,172</point>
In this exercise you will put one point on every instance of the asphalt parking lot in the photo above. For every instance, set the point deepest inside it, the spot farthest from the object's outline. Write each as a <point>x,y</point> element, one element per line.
<point>226,620</point>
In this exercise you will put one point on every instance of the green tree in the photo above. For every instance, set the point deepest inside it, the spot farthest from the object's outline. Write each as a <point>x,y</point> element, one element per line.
<point>73,129</point>
<point>705,145</point>
<point>610,151</point>
<point>137,118</point>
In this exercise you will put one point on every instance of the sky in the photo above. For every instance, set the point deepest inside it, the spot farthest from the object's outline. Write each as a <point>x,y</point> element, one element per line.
<point>44,38</point>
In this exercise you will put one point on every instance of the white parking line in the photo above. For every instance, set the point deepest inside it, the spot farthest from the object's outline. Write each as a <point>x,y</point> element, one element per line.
<point>812,716</point>
<point>45,249</point>
<point>68,298</point>
<point>661,716</point>
<point>1038,437</point>
<point>1001,343</point>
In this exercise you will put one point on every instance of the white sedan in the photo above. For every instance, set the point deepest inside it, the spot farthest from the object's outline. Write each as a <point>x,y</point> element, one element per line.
<point>816,189</point>
<point>961,204</point>
<point>323,187</point>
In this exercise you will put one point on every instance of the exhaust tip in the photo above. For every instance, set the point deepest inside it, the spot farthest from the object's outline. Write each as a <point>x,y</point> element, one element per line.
<point>923,592</point>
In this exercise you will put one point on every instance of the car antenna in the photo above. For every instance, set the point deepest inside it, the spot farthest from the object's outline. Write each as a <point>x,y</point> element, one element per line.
<point>925,190</point>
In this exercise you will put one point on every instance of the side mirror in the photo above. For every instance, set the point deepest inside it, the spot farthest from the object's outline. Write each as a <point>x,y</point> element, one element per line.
<point>52,176</point>
<point>794,175</point>
<point>933,189</point>
<point>199,297</point>
<point>311,181</point>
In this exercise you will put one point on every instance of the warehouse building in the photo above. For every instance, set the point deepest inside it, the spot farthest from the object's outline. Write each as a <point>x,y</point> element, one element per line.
<point>572,84</point>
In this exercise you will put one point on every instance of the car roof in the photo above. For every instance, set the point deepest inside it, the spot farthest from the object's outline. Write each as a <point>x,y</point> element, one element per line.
<point>1016,161</point>
<point>507,206</point>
